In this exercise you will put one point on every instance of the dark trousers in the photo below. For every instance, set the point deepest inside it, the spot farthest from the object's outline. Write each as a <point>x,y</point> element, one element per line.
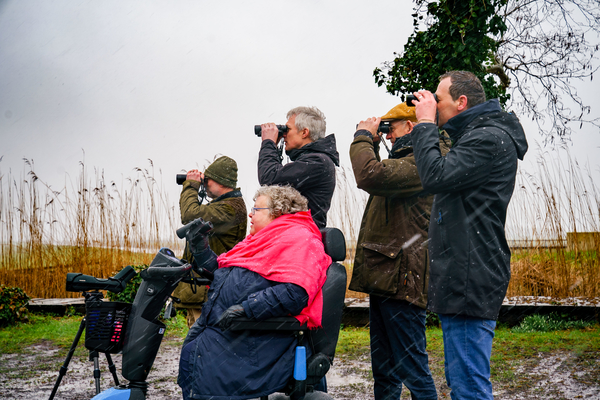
<point>398,350</point>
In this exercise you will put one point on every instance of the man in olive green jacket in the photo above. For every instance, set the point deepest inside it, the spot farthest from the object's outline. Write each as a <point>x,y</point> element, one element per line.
<point>391,262</point>
<point>227,212</point>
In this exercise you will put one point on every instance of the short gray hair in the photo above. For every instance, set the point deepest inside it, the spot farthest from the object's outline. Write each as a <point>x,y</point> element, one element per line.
<point>282,200</point>
<point>311,118</point>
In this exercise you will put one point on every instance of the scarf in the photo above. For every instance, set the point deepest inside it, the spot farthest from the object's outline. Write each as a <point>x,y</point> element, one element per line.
<point>287,250</point>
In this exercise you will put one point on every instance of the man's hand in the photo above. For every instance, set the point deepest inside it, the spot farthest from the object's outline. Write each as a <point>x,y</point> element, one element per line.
<point>228,315</point>
<point>371,125</point>
<point>195,175</point>
<point>269,132</point>
<point>425,106</point>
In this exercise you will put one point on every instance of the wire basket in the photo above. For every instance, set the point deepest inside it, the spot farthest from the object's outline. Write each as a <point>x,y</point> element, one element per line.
<point>105,326</point>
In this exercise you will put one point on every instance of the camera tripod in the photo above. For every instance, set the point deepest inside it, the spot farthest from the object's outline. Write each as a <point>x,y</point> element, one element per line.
<point>91,299</point>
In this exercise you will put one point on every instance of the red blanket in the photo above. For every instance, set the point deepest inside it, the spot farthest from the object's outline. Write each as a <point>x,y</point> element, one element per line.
<point>289,249</point>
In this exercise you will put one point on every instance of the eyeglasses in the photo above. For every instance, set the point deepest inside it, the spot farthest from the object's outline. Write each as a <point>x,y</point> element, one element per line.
<point>253,210</point>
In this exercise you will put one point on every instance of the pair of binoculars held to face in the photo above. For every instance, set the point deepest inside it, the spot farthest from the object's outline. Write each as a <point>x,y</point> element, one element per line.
<point>281,128</point>
<point>411,97</point>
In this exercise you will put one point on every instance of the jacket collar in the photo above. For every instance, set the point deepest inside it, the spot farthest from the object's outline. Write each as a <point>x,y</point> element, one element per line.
<point>233,193</point>
<point>325,146</point>
<point>456,125</point>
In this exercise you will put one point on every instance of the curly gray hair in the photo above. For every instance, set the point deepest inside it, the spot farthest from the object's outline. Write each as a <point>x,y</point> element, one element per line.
<point>311,118</point>
<point>282,200</point>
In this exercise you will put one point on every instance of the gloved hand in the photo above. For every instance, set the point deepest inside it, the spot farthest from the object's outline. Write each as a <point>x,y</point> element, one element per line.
<point>197,235</point>
<point>228,315</point>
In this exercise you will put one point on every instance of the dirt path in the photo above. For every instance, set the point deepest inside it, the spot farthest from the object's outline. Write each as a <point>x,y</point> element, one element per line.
<point>32,376</point>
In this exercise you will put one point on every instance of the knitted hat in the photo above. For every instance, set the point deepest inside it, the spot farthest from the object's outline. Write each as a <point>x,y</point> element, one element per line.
<point>401,111</point>
<point>224,171</point>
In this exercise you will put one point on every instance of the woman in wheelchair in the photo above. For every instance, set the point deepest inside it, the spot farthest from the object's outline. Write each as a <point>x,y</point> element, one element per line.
<point>277,270</point>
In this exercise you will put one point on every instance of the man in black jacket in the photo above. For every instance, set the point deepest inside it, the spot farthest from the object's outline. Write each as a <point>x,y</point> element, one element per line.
<point>473,184</point>
<point>314,158</point>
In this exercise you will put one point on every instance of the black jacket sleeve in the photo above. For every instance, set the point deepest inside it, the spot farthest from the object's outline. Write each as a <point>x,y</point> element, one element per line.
<point>276,301</point>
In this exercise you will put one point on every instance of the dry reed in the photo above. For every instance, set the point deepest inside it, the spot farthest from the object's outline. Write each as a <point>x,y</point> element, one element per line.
<point>91,228</point>
<point>96,228</point>
<point>551,212</point>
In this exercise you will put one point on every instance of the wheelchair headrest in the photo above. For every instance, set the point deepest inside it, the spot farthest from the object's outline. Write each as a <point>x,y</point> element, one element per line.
<point>334,243</point>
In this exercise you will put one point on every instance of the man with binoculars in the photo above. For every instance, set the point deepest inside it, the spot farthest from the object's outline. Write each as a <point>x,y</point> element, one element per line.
<point>227,212</point>
<point>391,254</point>
<point>472,184</point>
<point>314,158</point>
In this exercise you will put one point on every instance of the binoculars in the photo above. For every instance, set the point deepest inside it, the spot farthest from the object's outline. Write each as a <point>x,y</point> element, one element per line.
<point>181,178</point>
<point>384,127</point>
<point>411,97</point>
<point>281,128</point>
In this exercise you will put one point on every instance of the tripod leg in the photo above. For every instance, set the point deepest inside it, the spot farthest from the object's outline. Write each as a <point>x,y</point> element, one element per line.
<point>94,357</point>
<point>63,369</point>
<point>112,368</point>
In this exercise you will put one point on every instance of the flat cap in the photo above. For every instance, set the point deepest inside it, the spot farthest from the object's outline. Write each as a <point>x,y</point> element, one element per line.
<point>401,111</point>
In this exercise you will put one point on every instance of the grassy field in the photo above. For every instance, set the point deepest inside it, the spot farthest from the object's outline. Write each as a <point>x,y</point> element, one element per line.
<point>516,356</point>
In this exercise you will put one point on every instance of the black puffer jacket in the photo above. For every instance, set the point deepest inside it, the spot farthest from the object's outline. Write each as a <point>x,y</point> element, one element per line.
<point>312,172</point>
<point>473,184</point>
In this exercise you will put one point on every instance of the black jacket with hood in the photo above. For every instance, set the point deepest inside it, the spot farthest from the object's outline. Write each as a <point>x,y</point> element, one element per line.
<point>311,172</point>
<point>473,184</point>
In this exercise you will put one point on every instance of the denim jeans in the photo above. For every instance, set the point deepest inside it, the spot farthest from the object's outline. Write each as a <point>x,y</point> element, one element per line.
<point>398,350</point>
<point>467,349</point>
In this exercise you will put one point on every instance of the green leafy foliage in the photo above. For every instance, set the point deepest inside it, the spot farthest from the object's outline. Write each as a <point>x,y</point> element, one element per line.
<point>460,37</point>
<point>549,323</point>
<point>127,295</point>
<point>13,305</point>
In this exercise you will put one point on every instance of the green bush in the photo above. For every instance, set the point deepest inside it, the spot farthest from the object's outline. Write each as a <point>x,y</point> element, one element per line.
<point>127,295</point>
<point>13,305</point>
<point>549,323</point>
<point>432,320</point>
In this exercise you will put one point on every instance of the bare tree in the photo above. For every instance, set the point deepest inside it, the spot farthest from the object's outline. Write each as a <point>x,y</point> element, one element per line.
<point>548,45</point>
<point>528,53</point>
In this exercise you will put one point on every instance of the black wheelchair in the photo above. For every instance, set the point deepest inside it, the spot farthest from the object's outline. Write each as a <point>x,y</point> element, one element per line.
<point>136,331</point>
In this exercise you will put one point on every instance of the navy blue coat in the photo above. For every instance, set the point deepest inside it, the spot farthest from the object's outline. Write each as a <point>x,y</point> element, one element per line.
<point>473,184</point>
<point>240,365</point>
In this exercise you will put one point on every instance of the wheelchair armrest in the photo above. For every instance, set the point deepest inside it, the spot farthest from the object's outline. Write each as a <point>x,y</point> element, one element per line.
<point>271,324</point>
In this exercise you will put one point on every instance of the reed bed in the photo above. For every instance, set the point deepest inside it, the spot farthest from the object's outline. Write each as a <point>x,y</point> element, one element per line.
<point>91,226</point>
<point>554,225</point>
<point>97,227</point>
<point>347,207</point>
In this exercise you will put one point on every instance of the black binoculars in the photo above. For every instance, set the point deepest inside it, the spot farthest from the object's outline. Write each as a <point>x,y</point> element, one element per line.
<point>281,128</point>
<point>411,97</point>
<point>181,178</point>
<point>384,127</point>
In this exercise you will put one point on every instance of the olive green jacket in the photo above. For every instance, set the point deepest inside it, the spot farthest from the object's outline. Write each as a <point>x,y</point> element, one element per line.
<point>391,257</point>
<point>229,217</point>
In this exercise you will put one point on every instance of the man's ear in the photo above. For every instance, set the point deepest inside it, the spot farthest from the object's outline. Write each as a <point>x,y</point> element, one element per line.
<point>305,133</point>
<point>410,125</point>
<point>462,103</point>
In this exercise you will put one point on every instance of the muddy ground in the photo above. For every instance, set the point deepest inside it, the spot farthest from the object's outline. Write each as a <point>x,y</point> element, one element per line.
<point>33,375</point>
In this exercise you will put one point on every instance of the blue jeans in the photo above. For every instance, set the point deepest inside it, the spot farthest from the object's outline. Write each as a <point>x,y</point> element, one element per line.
<point>398,350</point>
<point>467,349</point>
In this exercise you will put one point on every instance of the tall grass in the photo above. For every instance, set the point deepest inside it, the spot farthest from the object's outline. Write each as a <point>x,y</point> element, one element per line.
<point>347,207</point>
<point>97,227</point>
<point>559,202</point>
<point>90,226</point>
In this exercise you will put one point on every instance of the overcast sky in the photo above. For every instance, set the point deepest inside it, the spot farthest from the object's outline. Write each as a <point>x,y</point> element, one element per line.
<point>178,82</point>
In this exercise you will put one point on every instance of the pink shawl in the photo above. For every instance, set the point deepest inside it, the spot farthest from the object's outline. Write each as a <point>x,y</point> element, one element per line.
<point>289,249</point>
